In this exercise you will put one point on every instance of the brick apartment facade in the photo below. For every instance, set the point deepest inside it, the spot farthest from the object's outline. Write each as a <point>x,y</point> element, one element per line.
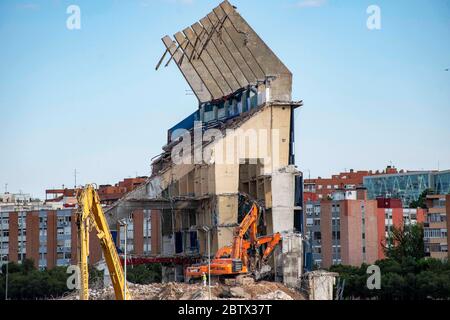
<point>349,233</point>
<point>109,194</point>
<point>325,187</point>
<point>436,226</point>
<point>344,229</point>
<point>50,238</point>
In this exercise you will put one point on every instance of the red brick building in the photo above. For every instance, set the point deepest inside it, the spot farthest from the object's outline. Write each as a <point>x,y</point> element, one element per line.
<point>349,229</point>
<point>324,187</point>
<point>310,196</point>
<point>109,194</point>
<point>50,237</point>
<point>436,226</point>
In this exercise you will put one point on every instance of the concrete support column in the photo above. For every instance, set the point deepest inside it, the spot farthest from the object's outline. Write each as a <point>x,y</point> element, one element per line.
<point>234,106</point>
<point>202,113</point>
<point>216,112</point>
<point>227,108</point>
<point>244,101</point>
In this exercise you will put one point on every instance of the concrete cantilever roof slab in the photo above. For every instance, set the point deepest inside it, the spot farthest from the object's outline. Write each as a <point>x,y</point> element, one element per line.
<point>221,54</point>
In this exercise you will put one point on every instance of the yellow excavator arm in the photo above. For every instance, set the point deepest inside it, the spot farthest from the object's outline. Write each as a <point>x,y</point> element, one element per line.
<point>90,214</point>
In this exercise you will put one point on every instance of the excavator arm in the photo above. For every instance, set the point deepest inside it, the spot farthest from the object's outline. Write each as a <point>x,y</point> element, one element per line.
<point>249,222</point>
<point>235,259</point>
<point>271,241</point>
<point>90,214</point>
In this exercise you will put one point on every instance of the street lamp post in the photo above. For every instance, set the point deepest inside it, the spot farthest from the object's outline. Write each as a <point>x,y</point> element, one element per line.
<point>208,245</point>
<point>125,264</point>
<point>2,256</point>
<point>124,223</point>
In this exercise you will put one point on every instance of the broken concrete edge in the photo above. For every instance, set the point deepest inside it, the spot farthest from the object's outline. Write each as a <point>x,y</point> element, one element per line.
<point>234,123</point>
<point>219,73</point>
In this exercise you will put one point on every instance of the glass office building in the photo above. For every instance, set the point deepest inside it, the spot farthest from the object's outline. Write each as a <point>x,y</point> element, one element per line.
<point>407,186</point>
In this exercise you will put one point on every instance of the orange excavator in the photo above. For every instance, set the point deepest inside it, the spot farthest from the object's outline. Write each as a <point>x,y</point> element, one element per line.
<point>244,256</point>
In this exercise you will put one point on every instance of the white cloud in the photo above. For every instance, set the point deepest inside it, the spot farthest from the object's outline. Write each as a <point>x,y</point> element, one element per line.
<point>310,3</point>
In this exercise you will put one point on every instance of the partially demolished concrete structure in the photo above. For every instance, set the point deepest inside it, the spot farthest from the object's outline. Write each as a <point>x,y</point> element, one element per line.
<point>240,140</point>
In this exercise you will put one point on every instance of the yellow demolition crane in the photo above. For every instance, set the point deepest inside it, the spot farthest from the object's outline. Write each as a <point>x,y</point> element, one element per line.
<point>90,214</point>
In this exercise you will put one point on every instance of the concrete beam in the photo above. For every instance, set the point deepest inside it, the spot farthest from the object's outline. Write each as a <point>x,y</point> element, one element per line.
<point>222,64</point>
<point>226,54</point>
<point>208,61</point>
<point>188,71</point>
<point>208,79</point>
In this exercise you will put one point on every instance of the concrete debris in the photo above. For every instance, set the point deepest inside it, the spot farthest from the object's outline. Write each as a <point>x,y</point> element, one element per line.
<point>276,295</point>
<point>183,291</point>
<point>234,292</point>
<point>319,284</point>
<point>241,280</point>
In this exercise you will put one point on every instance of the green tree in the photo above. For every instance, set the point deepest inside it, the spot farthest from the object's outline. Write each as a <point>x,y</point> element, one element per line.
<point>409,279</point>
<point>25,282</point>
<point>404,242</point>
<point>145,274</point>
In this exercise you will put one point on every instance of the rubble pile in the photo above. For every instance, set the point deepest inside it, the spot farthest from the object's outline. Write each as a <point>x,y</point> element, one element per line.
<point>276,295</point>
<point>182,291</point>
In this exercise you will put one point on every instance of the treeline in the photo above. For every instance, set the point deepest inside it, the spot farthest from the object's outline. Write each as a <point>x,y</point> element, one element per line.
<point>409,279</point>
<point>25,282</point>
<point>406,274</point>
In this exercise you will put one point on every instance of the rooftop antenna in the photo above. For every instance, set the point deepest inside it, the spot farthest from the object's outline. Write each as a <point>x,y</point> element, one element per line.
<point>6,188</point>
<point>75,175</point>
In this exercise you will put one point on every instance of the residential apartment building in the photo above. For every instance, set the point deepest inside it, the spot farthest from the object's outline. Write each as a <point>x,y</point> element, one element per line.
<point>390,214</point>
<point>436,226</point>
<point>389,183</point>
<point>313,232</point>
<point>111,193</point>
<point>20,201</point>
<point>325,187</point>
<point>50,238</point>
<point>342,230</point>
<point>407,186</point>
<point>45,236</point>
<point>447,209</point>
<point>66,198</point>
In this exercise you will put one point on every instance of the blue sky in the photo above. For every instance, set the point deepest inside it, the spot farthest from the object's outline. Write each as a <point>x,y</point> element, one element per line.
<point>91,99</point>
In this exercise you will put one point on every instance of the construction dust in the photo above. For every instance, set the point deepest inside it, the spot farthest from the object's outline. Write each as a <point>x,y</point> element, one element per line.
<point>182,291</point>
